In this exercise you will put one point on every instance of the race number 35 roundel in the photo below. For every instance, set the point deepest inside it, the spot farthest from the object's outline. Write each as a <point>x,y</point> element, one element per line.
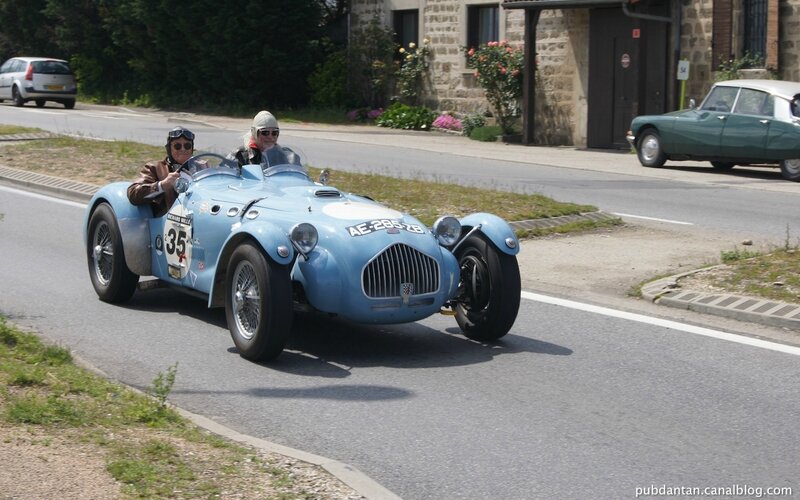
<point>178,241</point>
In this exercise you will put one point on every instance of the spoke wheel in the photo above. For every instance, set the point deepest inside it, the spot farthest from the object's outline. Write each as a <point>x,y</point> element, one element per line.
<point>488,291</point>
<point>258,303</point>
<point>110,276</point>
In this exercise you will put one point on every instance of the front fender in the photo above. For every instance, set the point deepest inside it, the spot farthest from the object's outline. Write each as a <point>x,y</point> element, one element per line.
<point>133,222</point>
<point>498,231</point>
<point>269,237</point>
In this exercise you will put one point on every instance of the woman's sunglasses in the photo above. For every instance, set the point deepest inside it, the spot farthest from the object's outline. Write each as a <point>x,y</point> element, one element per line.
<point>265,132</point>
<point>188,146</point>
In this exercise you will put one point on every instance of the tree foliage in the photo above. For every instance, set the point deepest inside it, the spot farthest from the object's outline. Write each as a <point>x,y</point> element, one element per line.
<point>237,53</point>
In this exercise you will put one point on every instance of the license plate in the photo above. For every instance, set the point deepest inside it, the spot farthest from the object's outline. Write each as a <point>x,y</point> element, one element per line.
<point>54,87</point>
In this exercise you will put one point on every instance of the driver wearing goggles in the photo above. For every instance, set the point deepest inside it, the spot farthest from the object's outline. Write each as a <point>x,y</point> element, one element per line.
<point>155,183</point>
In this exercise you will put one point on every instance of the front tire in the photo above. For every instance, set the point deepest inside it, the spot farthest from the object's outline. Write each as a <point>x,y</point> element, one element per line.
<point>39,103</point>
<point>69,103</point>
<point>258,303</point>
<point>111,278</point>
<point>488,291</point>
<point>790,170</point>
<point>651,151</point>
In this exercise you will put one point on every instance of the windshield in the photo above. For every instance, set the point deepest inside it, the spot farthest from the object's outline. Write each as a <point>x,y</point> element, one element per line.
<point>282,159</point>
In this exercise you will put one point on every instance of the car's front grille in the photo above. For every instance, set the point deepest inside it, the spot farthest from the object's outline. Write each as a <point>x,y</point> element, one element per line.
<point>400,269</point>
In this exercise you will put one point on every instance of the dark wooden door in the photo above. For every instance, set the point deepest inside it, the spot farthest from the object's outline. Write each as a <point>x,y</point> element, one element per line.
<point>613,77</point>
<point>627,73</point>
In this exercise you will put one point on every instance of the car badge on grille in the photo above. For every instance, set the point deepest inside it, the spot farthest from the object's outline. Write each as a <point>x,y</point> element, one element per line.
<point>406,289</point>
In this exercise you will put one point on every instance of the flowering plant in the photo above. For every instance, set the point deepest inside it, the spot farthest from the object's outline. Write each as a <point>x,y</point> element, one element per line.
<point>364,114</point>
<point>498,69</point>
<point>413,65</point>
<point>448,122</point>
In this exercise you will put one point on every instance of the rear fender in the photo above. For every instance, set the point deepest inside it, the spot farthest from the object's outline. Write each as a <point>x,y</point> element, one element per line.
<point>134,225</point>
<point>498,231</point>
<point>272,240</point>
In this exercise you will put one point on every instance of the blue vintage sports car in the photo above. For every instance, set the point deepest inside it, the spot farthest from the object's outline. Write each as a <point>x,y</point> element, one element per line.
<point>740,122</point>
<point>264,240</point>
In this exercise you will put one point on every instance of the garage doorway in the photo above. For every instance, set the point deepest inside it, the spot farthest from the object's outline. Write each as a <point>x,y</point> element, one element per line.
<point>627,74</point>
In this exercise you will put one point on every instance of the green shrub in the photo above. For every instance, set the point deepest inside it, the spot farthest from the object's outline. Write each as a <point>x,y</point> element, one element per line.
<point>486,134</point>
<point>406,117</point>
<point>328,83</point>
<point>472,122</point>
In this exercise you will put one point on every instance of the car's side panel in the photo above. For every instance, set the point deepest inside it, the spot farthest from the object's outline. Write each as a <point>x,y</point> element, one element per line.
<point>744,136</point>
<point>133,223</point>
<point>696,133</point>
<point>783,142</point>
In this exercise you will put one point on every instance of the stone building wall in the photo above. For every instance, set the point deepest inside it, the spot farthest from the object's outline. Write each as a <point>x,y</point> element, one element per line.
<point>695,44</point>
<point>562,51</point>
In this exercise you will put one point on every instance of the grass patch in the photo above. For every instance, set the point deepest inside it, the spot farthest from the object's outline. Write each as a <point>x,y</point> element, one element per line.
<point>16,129</point>
<point>772,275</point>
<point>487,133</point>
<point>153,457</point>
<point>101,162</point>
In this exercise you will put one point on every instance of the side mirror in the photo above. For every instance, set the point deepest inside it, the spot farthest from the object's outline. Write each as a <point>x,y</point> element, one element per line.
<point>324,176</point>
<point>692,103</point>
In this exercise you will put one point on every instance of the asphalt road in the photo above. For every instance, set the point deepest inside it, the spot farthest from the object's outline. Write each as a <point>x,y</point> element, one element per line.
<point>753,202</point>
<point>571,404</point>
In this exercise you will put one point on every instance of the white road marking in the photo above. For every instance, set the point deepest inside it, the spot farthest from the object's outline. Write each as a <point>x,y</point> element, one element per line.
<point>571,304</point>
<point>697,330</point>
<point>43,197</point>
<point>654,218</point>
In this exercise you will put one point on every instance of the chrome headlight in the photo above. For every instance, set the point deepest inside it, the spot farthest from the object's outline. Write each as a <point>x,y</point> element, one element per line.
<point>304,237</point>
<point>447,230</point>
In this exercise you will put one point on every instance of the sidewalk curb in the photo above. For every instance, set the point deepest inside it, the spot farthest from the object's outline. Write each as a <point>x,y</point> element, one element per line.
<point>668,292</point>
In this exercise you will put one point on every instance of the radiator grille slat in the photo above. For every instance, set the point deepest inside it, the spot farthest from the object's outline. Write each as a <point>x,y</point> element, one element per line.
<point>399,264</point>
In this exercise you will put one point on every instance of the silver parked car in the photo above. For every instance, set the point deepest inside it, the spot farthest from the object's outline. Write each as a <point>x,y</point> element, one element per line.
<point>37,79</point>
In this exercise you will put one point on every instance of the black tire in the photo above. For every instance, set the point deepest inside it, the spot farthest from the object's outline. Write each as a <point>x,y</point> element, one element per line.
<point>650,150</point>
<point>111,278</point>
<point>16,97</point>
<point>39,103</point>
<point>258,303</point>
<point>722,165</point>
<point>489,289</point>
<point>790,170</point>
<point>69,103</point>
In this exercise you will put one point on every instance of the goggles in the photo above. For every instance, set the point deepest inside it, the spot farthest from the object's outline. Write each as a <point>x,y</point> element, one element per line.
<point>180,131</point>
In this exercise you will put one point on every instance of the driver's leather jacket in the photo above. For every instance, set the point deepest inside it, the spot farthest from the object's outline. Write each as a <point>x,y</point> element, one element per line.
<point>145,187</point>
<point>246,156</point>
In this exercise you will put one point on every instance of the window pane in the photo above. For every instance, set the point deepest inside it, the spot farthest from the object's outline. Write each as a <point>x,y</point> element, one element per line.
<point>720,99</point>
<point>405,26</point>
<point>752,102</point>
<point>488,24</point>
<point>755,27</point>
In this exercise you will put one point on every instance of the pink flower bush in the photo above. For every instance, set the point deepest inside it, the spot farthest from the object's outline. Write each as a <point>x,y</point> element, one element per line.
<point>498,69</point>
<point>447,122</point>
